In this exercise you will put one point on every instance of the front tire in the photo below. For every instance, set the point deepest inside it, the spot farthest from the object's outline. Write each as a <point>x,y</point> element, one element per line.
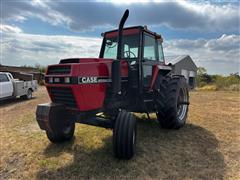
<point>59,136</point>
<point>28,95</point>
<point>124,135</point>
<point>172,101</point>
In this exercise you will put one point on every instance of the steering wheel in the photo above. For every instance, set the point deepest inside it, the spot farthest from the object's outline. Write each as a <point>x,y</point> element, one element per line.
<point>128,53</point>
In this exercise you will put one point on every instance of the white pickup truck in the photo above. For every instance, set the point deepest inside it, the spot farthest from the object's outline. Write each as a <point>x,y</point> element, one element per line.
<point>11,87</point>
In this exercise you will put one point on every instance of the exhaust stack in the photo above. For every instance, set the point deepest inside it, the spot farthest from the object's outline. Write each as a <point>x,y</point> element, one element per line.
<point>116,66</point>
<point>120,32</point>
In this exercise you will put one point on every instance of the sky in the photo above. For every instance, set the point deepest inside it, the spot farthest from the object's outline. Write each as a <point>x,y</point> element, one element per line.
<point>45,31</point>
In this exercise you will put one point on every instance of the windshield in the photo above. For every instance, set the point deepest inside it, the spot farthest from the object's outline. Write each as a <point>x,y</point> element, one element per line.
<point>130,45</point>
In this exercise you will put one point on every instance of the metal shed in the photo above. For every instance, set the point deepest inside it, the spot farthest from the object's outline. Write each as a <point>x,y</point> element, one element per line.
<point>185,66</point>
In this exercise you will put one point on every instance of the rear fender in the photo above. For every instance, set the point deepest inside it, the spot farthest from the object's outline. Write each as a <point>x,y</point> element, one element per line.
<point>158,70</point>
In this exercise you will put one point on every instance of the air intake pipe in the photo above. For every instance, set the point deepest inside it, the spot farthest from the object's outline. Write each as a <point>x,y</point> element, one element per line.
<point>116,65</point>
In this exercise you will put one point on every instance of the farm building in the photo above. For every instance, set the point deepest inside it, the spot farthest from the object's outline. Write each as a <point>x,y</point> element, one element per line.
<point>185,66</point>
<point>16,71</point>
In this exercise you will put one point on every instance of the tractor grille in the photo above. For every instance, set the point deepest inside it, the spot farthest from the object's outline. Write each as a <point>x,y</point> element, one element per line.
<point>63,96</point>
<point>59,70</point>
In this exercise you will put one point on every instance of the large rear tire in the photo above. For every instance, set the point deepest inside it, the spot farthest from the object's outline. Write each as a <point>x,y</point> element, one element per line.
<point>172,101</point>
<point>124,135</point>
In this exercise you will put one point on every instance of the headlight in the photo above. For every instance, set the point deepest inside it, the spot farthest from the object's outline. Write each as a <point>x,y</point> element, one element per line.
<point>50,80</point>
<point>67,79</point>
<point>57,80</point>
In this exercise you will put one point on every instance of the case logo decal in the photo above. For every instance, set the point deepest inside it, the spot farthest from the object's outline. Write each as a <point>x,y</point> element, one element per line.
<point>93,80</point>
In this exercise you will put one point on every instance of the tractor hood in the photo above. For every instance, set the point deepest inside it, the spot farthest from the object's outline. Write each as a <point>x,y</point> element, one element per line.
<point>85,67</point>
<point>82,60</point>
<point>81,83</point>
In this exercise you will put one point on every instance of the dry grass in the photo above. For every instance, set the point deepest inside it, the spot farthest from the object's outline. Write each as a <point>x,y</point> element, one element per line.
<point>233,87</point>
<point>208,147</point>
<point>208,88</point>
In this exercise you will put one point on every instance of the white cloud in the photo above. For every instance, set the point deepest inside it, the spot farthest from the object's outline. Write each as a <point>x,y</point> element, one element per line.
<point>28,49</point>
<point>230,43</point>
<point>219,55</point>
<point>4,28</point>
<point>20,19</point>
<point>23,10</point>
<point>80,16</point>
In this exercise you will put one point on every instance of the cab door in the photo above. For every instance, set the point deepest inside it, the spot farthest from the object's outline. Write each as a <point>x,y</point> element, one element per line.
<point>149,59</point>
<point>6,87</point>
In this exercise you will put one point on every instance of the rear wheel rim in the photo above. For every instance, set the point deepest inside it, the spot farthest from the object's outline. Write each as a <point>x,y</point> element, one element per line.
<point>182,108</point>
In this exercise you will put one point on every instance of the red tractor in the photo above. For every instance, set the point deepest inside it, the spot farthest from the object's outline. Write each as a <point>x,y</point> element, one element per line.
<point>130,75</point>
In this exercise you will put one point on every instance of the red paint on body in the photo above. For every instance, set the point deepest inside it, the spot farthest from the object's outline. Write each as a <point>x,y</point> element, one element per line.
<point>154,76</point>
<point>125,32</point>
<point>88,96</point>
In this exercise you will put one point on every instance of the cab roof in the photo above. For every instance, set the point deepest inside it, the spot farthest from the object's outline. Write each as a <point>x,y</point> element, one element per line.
<point>132,30</point>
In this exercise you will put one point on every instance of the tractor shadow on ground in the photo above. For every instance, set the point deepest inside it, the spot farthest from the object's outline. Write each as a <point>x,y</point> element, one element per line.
<point>188,153</point>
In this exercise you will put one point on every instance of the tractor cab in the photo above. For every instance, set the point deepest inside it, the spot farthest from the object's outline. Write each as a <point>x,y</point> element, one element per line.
<point>136,40</point>
<point>141,48</point>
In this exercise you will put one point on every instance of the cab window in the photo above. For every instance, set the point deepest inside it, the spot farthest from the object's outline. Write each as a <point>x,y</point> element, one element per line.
<point>3,78</point>
<point>160,52</point>
<point>111,48</point>
<point>130,47</point>
<point>149,48</point>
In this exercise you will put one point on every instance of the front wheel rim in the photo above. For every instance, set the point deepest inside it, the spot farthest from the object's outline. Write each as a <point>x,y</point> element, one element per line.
<point>29,94</point>
<point>67,130</point>
<point>134,138</point>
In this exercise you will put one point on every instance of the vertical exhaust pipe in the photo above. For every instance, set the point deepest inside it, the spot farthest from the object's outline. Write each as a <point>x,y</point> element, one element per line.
<point>116,66</point>
<point>120,32</point>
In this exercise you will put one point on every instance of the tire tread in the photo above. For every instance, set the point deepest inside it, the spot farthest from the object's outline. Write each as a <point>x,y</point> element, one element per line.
<point>125,125</point>
<point>166,100</point>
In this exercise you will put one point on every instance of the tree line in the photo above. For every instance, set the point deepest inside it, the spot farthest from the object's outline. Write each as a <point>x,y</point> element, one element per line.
<point>217,82</point>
